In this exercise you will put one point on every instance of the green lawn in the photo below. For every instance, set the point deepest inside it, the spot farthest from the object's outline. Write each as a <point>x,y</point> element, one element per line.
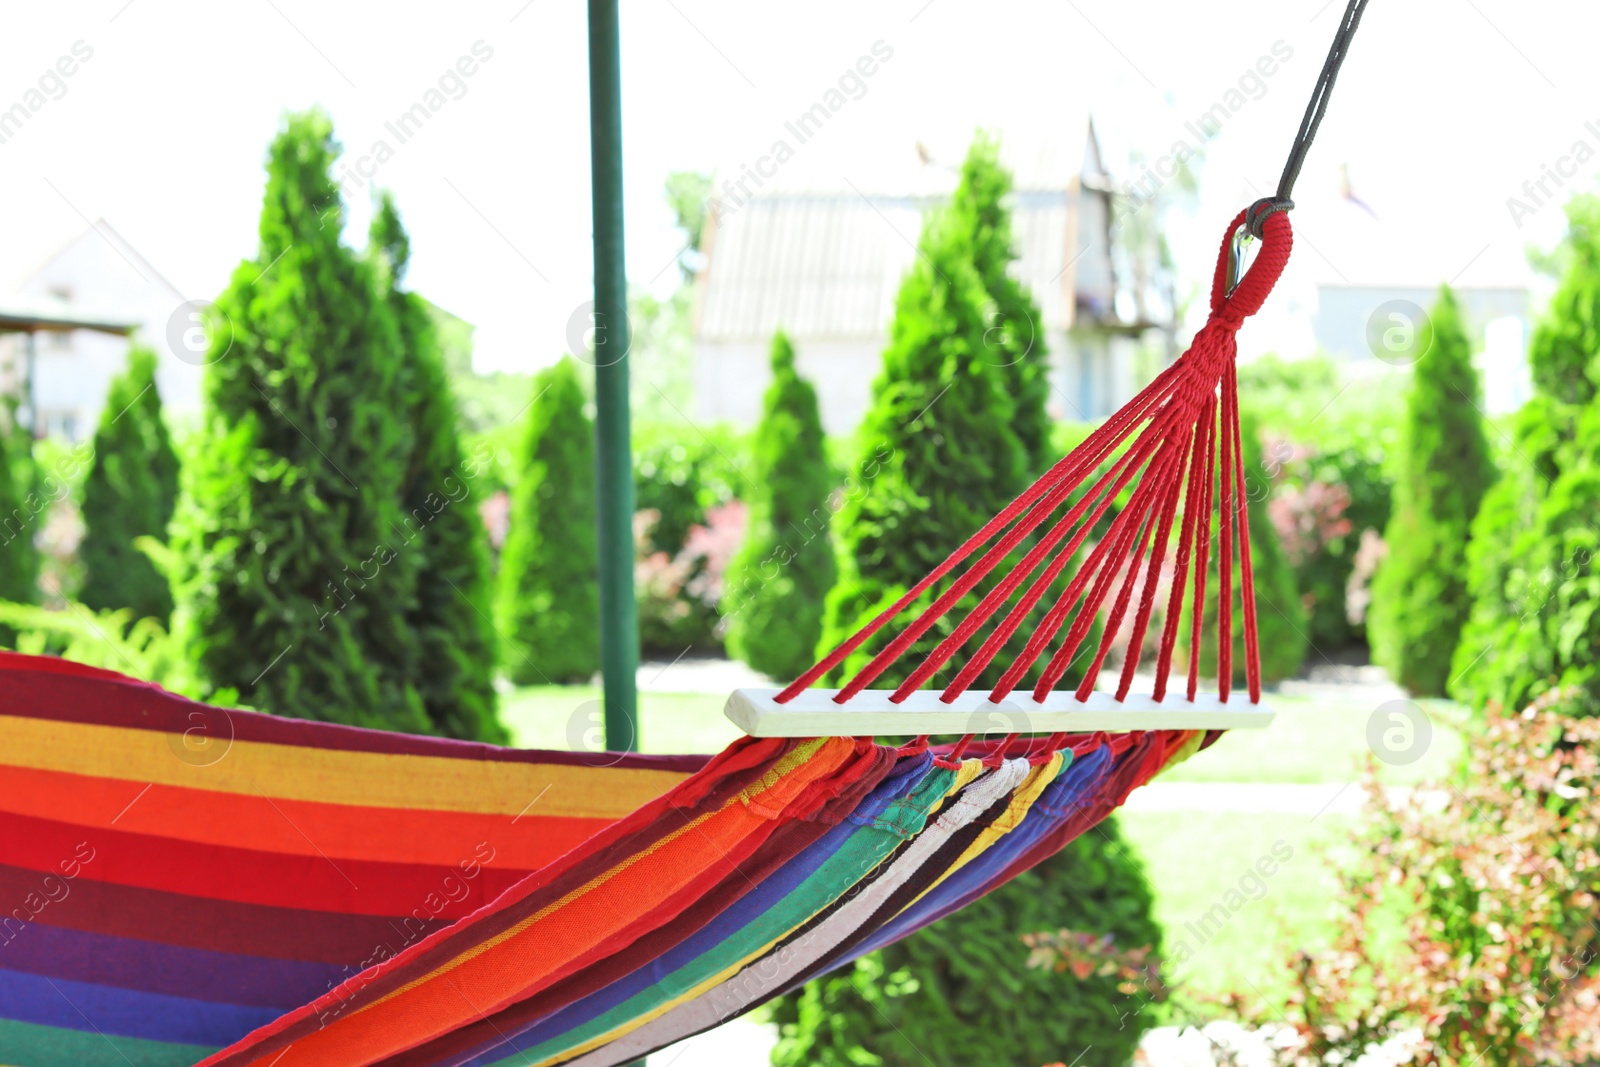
<point>1228,927</point>
<point>557,716</point>
<point>1316,741</point>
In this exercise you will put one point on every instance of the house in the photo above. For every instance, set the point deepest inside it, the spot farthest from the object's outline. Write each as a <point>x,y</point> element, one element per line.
<point>823,257</point>
<point>65,369</point>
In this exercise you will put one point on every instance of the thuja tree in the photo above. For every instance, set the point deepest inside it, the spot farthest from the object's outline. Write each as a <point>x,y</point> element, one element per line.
<point>19,559</point>
<point>297,585</point>
<point>130,491</point>
<point>1014,337</point>
<point>1419,594</point>
<point>449,617</point>
<point>939,455</point>
<point>774,591</point>
<point>548,601</point>
<point>1532,575</point>
<point>940,458</point>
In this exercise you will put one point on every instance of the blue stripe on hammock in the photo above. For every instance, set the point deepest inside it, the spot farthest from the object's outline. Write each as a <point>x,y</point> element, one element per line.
<point>66,1004</point>
<point>173,970</point>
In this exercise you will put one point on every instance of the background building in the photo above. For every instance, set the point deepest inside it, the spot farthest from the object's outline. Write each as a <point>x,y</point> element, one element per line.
<point>99,277</point>
<point>821,255</point>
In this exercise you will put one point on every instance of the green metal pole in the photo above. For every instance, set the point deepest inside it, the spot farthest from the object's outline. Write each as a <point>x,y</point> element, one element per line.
<point>619,615</point>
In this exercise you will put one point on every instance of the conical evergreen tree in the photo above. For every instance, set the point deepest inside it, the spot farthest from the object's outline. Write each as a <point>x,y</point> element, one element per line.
<point>1014,338</point>
<point>297,582</point>
<point>774,591</point>
<point>1419,595</point>
<point>130,491</point>
<point>940,459</point>
<point>19,559</point>
<point>548,606</point>
<point>455,669</point>
<point>1535,619</point>
<point>939,455</point>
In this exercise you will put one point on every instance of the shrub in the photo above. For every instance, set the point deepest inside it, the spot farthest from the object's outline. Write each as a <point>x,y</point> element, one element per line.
<point>683,473</point>
<point>1535,619</point>
<point>1331,437</point>
<point>549,587</point>
<point>1014,341</point>
<point>962,992</point>
<point>1466,920</point>
<point>1326,506</point>
<point>779,580</point>
<point>1280,616</point>
<point>1419,594</point>
<point>130,491</point>
<point>454,669</point>
<point>678,595</point>
<point>111,640</point>
<point>295,590</point>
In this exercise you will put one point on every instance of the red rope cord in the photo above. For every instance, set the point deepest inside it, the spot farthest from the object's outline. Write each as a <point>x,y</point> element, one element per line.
<point>1202,550</point>
<point>1147,599</point>
<point>1110,434</point>
<point>1053,619</point>
<point>1184,445</point>
<point>1225,513</point>
<point>1029,522</point>
<point>1192,515</point>
<point>1247,583</point>
<point>1101,495</point>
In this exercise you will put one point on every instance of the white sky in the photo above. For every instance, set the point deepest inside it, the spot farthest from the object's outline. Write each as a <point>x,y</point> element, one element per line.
<point>1443,110</point>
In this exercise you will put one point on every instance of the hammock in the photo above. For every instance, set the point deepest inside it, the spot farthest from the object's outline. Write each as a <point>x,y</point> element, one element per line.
<point>191,884</point>
<point>184,884</point>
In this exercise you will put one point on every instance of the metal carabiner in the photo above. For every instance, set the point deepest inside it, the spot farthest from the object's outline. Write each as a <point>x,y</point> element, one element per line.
<point>1236,259</point>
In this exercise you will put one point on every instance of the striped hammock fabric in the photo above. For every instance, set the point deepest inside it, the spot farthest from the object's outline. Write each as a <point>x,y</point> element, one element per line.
<point>181,884</point>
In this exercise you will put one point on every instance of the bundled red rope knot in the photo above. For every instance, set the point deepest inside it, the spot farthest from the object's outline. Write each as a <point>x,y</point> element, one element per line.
<point>1184,462</point>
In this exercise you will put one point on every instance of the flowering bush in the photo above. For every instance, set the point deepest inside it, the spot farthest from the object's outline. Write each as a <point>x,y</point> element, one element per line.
<point>1467,930</point>
<point>678,593</point>
<point>1324,506</point>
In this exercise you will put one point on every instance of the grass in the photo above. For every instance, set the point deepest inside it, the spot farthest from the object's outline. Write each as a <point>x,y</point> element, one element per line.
<point>1316,741</point>
<point>568,717</point>
<point>1228,926</point>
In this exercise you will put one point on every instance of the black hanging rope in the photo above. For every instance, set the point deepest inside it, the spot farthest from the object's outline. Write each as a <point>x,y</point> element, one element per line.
<point>1266,207</point>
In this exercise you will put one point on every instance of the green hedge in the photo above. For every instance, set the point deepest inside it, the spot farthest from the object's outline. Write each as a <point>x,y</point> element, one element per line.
<point>19,519</point>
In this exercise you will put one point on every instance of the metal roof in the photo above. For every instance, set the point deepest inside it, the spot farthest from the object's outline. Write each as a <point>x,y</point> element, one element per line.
<point>824,257</point>
<point>828,265</point>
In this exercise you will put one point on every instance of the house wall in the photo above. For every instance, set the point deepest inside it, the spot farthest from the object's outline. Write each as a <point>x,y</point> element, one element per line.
<point>731,377</point>
<point>73,371</point>
<point>1091,375</point>
<point>1343,311</point>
